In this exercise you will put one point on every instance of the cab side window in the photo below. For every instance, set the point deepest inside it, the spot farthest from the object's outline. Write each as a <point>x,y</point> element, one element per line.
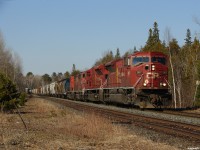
<point>138,60</point>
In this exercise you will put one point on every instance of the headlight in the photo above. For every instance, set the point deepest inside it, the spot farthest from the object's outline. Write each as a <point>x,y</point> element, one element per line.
<point>164,84</point>
<point>153,67</point>
<point>145,84</point>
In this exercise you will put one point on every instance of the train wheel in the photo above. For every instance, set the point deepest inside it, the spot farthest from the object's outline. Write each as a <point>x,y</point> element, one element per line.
<point>157,102</point>
<point>142,104</point>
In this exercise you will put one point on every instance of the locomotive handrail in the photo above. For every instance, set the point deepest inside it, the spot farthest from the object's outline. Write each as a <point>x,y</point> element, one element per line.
<point>138,81</point>
<point>101,87</point>
<point>168,83</point>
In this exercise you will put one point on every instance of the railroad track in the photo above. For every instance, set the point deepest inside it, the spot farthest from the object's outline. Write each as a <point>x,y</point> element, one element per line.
<point>183,113</point>
<point>175,112</point>
<point>185,130</point>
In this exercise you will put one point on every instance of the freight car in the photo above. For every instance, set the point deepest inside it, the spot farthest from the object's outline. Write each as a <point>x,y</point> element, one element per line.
<point>140,79</point>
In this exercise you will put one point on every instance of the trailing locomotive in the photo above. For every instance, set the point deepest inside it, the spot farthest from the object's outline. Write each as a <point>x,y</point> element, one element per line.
<point>140,79</point>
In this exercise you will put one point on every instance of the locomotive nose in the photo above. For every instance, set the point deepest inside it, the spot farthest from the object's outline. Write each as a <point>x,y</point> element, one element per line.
<point>155,78</point>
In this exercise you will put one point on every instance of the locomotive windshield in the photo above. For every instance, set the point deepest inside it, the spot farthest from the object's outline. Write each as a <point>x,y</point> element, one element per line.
<point>138,60</point>
<point>161,60</point>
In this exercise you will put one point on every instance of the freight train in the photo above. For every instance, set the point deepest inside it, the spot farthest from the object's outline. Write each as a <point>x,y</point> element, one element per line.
<point>139,79</point>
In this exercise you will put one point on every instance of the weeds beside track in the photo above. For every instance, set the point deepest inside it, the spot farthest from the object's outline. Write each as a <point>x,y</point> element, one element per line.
<point>185,130</point>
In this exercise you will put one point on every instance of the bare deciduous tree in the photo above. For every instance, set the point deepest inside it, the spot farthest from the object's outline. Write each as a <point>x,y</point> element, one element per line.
<point>10,64</point>
<point>168,39</point>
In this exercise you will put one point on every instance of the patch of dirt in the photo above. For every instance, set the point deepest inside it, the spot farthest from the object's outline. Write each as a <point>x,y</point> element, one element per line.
<point>51,127</point>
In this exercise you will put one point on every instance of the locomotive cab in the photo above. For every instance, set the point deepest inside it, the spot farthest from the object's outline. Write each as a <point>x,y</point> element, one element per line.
<point>155,73</point>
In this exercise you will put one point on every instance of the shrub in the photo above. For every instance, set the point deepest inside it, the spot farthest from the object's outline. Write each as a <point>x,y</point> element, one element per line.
<point>8,105</point>
<point>22,99</point>
<point>8,93</point>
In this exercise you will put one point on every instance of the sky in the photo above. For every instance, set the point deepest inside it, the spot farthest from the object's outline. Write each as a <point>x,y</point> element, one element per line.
<point>52,35</point>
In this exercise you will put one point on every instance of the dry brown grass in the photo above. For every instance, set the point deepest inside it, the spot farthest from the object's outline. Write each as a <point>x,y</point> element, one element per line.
<point>52,128</point>
<point>2,117</point>
<point>86,126</point>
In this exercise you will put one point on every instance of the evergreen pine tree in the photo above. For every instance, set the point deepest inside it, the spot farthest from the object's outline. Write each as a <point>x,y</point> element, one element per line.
<point>134,49</point>
<point>188,38</point>
<point>117,54</point>
<point>156,33</point>
<point>150,38</point>
<point>73,68</point>
<point>67,74</point>
<point>54,76</point>
<point>46,78</point>
<point>74,71</point>
<point>174,47</point>
<point>8,93</point>
<point>164,43</point>
<point>111,54</point>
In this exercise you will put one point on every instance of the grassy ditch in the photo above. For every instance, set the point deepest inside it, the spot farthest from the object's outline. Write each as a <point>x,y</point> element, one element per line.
<point>51,127</point>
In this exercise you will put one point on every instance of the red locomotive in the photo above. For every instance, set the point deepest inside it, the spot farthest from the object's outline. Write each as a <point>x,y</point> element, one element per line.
<point>140,79</point>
